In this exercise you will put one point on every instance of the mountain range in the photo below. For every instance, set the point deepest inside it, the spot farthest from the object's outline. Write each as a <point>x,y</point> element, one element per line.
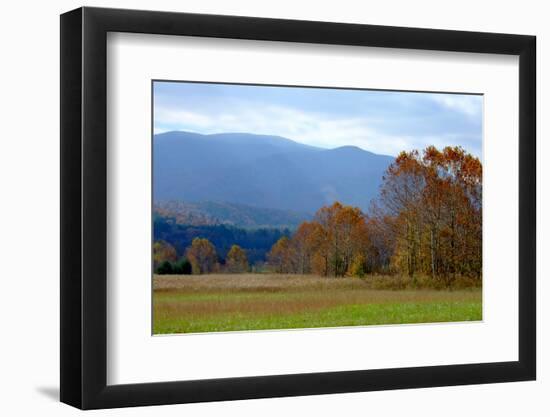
<point>262,171</point>
<point>210,213</point>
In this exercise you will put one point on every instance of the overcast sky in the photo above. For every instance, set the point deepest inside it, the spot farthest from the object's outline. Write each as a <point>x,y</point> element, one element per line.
<point>383,122</point>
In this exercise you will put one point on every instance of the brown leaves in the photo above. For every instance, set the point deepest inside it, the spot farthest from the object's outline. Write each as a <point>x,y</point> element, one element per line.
<point>325,246</point>
<point>427,221</point>
<point>436,201</point>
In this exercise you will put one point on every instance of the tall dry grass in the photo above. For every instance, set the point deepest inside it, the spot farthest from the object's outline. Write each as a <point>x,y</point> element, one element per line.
<point>296,282</point>
<point>195,296</point>
<point>252,282</point>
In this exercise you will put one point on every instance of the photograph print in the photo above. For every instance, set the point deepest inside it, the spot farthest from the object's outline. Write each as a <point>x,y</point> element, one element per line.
<point>286,207</point>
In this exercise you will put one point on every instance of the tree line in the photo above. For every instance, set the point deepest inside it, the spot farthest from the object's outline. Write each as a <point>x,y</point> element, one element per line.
<point>199,258</point>
<point>256,242</point>
<point>426,221</point>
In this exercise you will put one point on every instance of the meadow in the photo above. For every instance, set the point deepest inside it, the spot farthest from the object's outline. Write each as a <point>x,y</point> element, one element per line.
<point>233,302</point>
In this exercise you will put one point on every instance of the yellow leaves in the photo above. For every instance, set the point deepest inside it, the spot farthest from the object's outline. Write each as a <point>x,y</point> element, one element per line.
<point>236,260</point>
<point>163,251</point>
<point>202,256</point>
<point>358,266</point>
<point>280,255</point>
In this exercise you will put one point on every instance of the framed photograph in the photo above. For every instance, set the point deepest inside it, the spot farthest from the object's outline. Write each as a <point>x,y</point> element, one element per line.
<point>257,208</point>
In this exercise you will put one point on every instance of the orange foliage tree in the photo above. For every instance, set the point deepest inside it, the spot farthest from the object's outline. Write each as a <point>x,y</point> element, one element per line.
<point>279,257</point>
<point>428,220</point>
<point>434,201</point>
<point>328,245</point>
<point>202,256</point>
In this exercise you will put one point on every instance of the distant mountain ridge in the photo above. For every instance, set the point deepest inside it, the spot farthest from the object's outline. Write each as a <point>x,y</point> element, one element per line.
<point>262,171</point>
<point>209,213</point>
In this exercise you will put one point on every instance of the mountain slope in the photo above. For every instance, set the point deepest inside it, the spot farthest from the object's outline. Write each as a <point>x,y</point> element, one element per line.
<point>232,214</point>
<point>262,171</point>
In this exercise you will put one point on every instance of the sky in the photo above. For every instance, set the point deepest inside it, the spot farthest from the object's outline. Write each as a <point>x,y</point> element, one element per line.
<point>383,122</point>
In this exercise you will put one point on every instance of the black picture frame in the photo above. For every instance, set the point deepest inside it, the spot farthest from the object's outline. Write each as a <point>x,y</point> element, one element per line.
<point>84,207</point>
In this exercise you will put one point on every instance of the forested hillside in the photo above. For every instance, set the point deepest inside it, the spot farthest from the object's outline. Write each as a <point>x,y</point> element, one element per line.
<point>256,242</point>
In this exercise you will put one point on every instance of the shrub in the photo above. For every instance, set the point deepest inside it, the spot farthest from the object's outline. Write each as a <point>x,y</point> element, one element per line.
<point>182,267</point>
<point>401,282</point>
<point>462,282</point>
<point>388,282</point>
<point>358,267</point>
<point>165,268</point>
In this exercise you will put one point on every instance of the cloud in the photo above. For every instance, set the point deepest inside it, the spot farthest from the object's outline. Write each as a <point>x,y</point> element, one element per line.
<point>305,127</point>
<point>170,116</point>
<point>387,124</point>
<point>470,105</point>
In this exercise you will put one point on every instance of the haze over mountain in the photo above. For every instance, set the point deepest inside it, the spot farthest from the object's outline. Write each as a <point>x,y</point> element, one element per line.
<point>263,171</point>
<point>230,214</point>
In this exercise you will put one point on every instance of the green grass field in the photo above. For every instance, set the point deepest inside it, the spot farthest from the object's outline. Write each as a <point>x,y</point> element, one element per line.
<point>229,302</point>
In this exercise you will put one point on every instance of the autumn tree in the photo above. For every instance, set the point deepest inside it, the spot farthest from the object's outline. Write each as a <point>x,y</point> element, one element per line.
<point>401,196</point>
<point>382,236</point>
<point>453,211</point>
<point>305,243</point>
<point>354,238</point>
<point>326,246</point>
<point>279,257</point>
<point>202,256</point>
<point>342,234</point>
<point>163,252</point>
<point>236,260</point>
<point>331,249</point>
<point>434,203</point>
<point>427,221</point>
